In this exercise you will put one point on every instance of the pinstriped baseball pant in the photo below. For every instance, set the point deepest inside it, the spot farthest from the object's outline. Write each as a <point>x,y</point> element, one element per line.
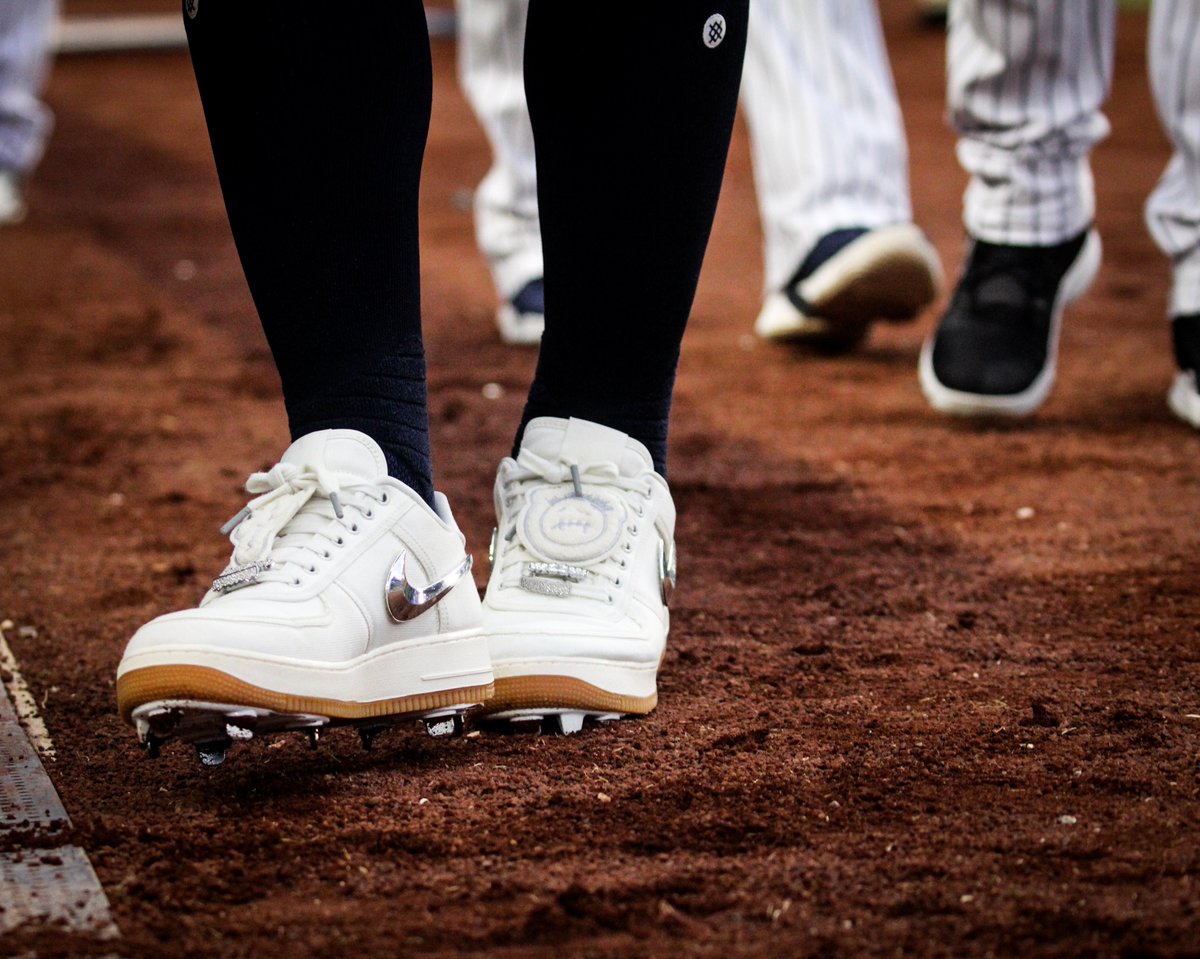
<point>24,120</point>
<point>1026,82</point>
<point>827,137</point>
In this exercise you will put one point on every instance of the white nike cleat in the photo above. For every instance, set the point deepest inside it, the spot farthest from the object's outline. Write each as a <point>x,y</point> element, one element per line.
<point>347,600</point>
<point>583,564</point>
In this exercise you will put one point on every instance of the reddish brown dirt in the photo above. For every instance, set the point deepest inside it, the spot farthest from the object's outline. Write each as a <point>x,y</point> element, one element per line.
<point>884,694</point>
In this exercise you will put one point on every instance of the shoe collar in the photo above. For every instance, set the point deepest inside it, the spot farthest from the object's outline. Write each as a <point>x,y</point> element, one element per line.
<point>551,446</point>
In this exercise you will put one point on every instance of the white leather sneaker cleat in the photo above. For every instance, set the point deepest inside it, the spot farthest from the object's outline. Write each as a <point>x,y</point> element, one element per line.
<point>583,563</point>
<point>347,600</point>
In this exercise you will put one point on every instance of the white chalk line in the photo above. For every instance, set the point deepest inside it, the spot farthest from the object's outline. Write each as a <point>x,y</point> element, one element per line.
<point>22,699</point>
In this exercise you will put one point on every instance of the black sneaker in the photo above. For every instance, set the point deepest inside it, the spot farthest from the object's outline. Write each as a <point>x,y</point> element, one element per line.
<point>1184,397</point>
<point>994,351</point>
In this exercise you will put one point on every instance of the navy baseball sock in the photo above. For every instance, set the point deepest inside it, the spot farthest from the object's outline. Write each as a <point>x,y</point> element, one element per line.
<point>318,120</point>
<point>632,118</point>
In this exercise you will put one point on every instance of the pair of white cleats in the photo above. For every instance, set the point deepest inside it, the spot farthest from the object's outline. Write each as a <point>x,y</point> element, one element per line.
<point>348,600</point>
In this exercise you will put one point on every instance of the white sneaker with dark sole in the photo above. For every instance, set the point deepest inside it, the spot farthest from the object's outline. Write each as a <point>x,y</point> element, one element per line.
<point>348,600</point>
<point>888,273</point>
<point>12,205</point>
<point>1184,395</point>
<point>522,319</point>
<point>583,564</point>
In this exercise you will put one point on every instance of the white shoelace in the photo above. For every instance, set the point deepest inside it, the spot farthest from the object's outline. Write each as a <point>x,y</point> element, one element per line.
<point>303,505</point>
<point>532,471</point>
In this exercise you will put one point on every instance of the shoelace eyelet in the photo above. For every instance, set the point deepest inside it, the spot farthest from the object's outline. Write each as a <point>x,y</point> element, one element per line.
<point>384,499</point>
<point>326,554</point>
<point>354,528</point>
<point>369,514</point>
<point>339,541</point>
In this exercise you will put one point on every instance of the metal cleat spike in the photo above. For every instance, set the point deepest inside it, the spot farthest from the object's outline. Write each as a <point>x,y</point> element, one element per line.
<point>367,735</point>
<point>212,754</point>
<point>153,746</point>
<point>529,725</point>
<point>443,726</point>
<point>314,737</point>
<point>569,723</point>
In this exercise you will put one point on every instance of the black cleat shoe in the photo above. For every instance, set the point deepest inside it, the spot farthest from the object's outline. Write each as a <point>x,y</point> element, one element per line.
<point>995,350</point>
<point>1184,397</point>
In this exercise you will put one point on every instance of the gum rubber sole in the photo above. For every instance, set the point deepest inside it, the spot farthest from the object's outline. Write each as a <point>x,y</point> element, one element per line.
<point>545,694</point>
<point>150,684</point>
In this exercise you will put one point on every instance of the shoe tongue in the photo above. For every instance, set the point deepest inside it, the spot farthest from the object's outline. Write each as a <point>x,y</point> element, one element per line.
<point>345,453</point>
<point>584,443</point>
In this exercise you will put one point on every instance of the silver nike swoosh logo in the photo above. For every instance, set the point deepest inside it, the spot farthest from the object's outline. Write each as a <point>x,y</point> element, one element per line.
<point>405,601</point>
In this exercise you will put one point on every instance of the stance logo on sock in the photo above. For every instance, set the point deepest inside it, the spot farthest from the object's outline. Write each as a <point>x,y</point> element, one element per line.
<point>192,7</point>
<point>714,31</point>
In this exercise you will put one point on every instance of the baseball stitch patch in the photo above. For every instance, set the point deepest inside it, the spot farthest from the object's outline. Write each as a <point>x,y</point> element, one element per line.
<point>571,529</point>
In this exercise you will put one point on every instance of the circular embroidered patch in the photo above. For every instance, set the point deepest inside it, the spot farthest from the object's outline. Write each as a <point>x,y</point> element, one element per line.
<point>714,31</point>
<point>558,526</point>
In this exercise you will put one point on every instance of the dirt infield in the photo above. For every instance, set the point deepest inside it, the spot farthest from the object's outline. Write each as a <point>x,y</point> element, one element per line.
<point>931,689</point>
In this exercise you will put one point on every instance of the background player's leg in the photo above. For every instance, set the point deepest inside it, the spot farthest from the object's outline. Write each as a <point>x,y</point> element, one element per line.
<point>1173,211</point>
<point>830,166</point>
<point>828,141</point>
<point>1026,81</point>
<point>24,120</point>
<point>632,118</point>
<point>491,53</point>
<point>318,123</point>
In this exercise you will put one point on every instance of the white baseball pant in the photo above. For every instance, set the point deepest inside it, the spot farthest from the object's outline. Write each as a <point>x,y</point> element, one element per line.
<point>24,121</point>
<point>1026,81</point>
<point>827,137</point>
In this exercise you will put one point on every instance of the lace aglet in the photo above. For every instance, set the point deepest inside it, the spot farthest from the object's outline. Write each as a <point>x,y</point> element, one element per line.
<point>233,524</point>
<point>337,504</point>
<point>576,481</point>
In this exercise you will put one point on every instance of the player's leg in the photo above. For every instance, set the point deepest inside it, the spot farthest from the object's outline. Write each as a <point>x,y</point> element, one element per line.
<point>24,120</point>
<point>491,50</point>
<point>831,169</point>
<point>628,176</point>
<point>1173,211</point>
<point>348,596</point>
<point>1026,82</point>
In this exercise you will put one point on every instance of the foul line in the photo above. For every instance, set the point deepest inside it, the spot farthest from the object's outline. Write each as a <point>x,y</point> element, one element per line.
<point>41,883</point>
<point>22,699</point>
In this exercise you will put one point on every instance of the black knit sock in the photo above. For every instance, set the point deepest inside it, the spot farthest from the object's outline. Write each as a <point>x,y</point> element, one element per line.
<point>632,118</point>
<point>318,119</point>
